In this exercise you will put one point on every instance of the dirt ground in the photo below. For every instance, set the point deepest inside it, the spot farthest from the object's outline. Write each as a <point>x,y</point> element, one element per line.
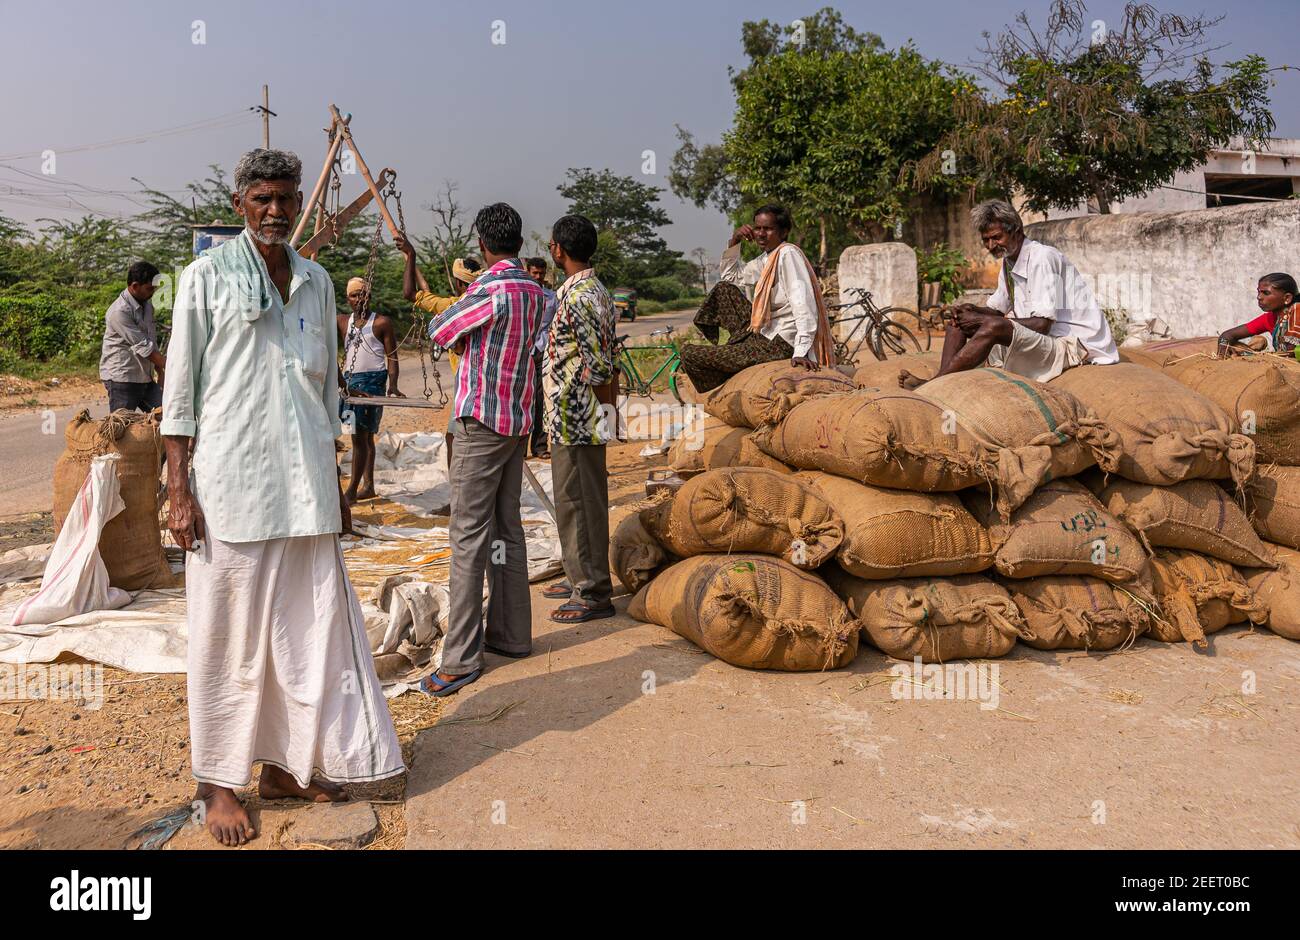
<point>73,776</point>
<point>19,394</point>
<point>621,734</point>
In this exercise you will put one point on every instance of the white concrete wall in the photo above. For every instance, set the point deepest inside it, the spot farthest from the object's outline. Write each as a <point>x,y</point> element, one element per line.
<point>1196,270</point>
<point>888,270</point>
<point>1280,156</point>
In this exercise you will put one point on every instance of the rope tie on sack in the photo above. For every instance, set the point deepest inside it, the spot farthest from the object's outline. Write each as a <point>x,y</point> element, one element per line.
<point>1241,457</point>
<point>1101,440</point>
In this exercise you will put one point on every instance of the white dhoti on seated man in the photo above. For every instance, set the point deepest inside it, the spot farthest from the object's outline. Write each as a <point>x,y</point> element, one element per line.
<point>1043,318</point>
<point>280,671</point>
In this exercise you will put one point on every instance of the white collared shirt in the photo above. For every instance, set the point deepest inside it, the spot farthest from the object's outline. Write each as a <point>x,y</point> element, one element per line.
<point>1047,285</point>
<point>794,305</point>
<point>262,400</point>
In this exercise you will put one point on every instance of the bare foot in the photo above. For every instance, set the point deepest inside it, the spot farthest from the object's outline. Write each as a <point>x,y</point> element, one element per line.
<point>225,816</point>
<point>908,381</point>
<point>350,497</point>
<point>275,784</point>
<point>367,492</point>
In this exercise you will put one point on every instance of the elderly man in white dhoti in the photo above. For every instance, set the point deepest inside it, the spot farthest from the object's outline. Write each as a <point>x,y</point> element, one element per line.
<point>1041,321</point>
<point>280,672</point>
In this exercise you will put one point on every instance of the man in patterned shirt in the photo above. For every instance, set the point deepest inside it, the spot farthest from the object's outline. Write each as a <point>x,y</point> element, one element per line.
<point>580,358</point>
<point>494,329</point>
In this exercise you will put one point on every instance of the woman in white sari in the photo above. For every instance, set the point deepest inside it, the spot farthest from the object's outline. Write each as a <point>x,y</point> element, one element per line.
<point>781,315</point>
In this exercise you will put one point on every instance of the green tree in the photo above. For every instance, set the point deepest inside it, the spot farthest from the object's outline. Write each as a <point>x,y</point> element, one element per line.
<point>15,256</point>
<point>827,127</point>
<point>627,215</point>
<point>167,238</point>
<point>820,34</point>
<point>702,175</point>
<point>1085,112</point>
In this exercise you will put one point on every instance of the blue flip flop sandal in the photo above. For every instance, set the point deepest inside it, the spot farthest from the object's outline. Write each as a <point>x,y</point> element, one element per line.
<point>439,689</point>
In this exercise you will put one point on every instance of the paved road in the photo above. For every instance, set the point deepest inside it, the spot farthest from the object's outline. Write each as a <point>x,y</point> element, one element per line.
<point>643,325</point>
<point>29,446</point>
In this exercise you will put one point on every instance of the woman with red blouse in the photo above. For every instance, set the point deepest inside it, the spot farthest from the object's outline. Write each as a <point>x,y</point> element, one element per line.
<point>1277,295</point>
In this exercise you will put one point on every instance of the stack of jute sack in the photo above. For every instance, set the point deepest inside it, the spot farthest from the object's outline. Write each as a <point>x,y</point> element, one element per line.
<point>1261,393</point>
<point>951,522</point>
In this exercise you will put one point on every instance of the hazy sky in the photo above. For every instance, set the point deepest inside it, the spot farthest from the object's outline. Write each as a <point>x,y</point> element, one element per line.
<point>576,83</point>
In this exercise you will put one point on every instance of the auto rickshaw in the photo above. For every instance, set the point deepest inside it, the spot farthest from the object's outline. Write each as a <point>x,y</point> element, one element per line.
<point>625,303</point>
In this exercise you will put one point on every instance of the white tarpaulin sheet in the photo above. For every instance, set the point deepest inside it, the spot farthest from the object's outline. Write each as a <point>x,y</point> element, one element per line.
<point>75,579</point>
<point>148,635</point>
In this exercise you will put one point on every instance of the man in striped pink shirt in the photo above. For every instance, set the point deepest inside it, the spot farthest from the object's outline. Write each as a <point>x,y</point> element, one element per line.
<point>494,328</point>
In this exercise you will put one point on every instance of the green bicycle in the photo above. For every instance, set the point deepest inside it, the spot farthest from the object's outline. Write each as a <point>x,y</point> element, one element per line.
<point>630,380</point>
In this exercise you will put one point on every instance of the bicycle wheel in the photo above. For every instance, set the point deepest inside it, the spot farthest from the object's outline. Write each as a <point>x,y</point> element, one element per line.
<point>672,383</point>
<point>628,385</point>
<point>848,349</point>
<point>893,339</point>
<point>899,314</point>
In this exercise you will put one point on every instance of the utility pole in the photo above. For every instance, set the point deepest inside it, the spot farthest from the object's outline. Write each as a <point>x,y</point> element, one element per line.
<point>267,114</point>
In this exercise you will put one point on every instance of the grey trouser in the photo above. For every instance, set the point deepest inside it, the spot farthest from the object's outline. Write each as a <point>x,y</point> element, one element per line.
<point>486,534</point>
<point>581,486</point>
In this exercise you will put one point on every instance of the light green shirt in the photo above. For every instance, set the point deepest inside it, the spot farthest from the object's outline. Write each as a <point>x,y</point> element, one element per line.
<point>259,392</point>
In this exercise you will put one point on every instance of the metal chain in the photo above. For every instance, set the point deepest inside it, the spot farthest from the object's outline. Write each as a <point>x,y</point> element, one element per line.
<point>354,331</point>
<point>417,325</point>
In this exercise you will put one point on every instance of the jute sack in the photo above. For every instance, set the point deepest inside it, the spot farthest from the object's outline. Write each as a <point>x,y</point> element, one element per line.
<point>1062,529</point>
<point>1279,591</point>
<point>753,611</point>
<point>1198,596</point>
<point>745,509</point>
<point>1260,392</point>
<point>885,374</point>
<point>1037,432</point>
<point>1274,503</point>
<point>749,455</point>
<point>634,555</point>
<point>765,393</point>
<point>898,534</point>
<point>1158,355</point>
<point>688,451</point>
<point>1198,515</point>
<point>1075,613</point>
<point>894,439</point>
<point>937,619</point>
<point>131,543</point>
<point>1168,433</point>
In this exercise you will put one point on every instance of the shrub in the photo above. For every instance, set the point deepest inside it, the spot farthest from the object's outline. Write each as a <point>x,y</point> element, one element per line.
<point>37,326</point>
<point>662,288</point>
<point>942,264</point>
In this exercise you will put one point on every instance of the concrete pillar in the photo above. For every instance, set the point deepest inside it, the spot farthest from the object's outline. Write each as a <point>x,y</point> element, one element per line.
<point>887,270</point>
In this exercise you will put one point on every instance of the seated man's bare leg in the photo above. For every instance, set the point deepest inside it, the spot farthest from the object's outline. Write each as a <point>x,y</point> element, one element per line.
<point>225,816</point>
<point>276,784</point>
<point>909,381</point>
<point>954,340</point>
<point>994,331</point>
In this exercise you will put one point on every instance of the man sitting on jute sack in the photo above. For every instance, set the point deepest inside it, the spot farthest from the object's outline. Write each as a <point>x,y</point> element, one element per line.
<point>1042,320</point>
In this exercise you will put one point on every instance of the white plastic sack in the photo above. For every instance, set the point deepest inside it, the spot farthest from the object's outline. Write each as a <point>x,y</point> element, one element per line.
<point>75,579</point>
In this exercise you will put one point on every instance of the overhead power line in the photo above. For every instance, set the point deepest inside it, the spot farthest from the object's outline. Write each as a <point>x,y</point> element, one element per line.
<point>220,121</point>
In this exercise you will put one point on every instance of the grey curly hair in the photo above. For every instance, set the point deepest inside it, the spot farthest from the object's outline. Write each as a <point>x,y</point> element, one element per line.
<point>258,166</point>
<point>997,211</point>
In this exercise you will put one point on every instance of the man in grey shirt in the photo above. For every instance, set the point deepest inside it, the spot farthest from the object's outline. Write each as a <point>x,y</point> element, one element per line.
<point>130,352</point>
